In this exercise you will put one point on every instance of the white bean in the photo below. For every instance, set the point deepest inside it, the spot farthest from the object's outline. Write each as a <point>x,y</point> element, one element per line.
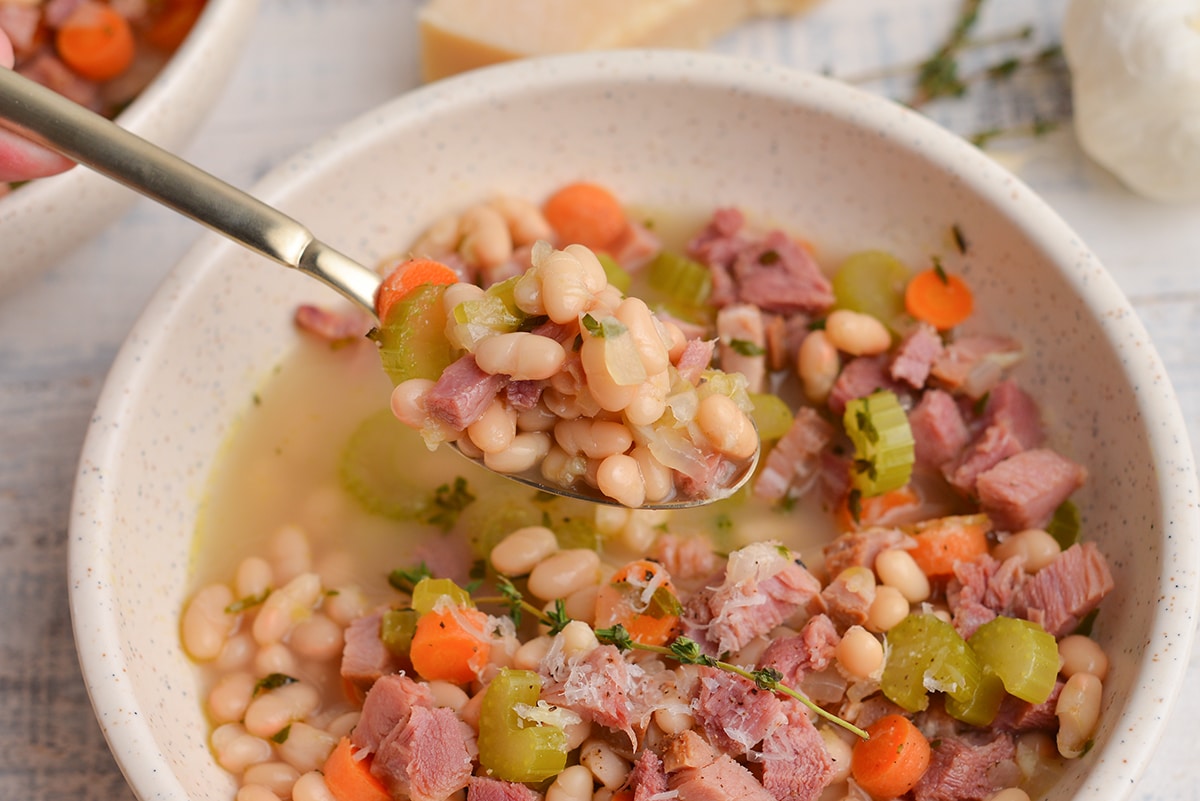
<point>318,638</point>
<point>312,787</point>
<point>346,604</point>
<point>236,749</point>
<point>656,477</point>
<point>485,240</point>
<point>306,747</point>
<point>278,777</point>
<point>563,573</point>
<point>525,452</point>
<point>636,316</point>
<point>610,395</point>
<point>275,658</point>
<point>673,715</point>
<point>604,763</point>
<point>495,428</point>
<point>620,478</point>
<point>253,577</point>
<point>408,401</point>
<point>594,277</point>
<point>344,723</point>
<point>439,239</point>
<point>859,652</point>
<point>1078,711</point>
<point>1080,654</point>
<point>274,709</point>
<point>285,607</point>
<point>237,652</point>
<point>522,549</point>
<point>889,608</point>
<point>229,697</point>
<point>817,364</point>
<point>727,427</point>
<point>256,792</point>
<point>521,355</point>
<point>291,553</point>
<point>206,624</point>
<point>578,639</point>
<point>561,468</point>
<point>856,333</point>
<point>525,221</point>
<point>650,402</point>
<point>573,784</point>
<point>1037,547</point>
<point>1010,794</point>
<point>581,604</point>
<point>564,289</point>
<point>530,654</point>
<point>896,568</point>
<point>839,754</point>
<point>448,695</point>
<point>539,418</point>
<point>610,520</point>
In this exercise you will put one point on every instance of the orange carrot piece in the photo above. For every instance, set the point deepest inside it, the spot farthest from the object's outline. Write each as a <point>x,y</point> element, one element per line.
<point>450,645</point>
<point>585,214</point>
<point>405,278</point>
<point>619,601</point>
<point>350,779</point>
<point>892,760</point>
<point>96,42</point>
<point>873,510</point>
<point>172,23</point>
<point>942,542</point>
<point>939,299</point>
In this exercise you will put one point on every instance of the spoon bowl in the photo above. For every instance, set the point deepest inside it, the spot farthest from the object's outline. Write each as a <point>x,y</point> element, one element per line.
<point>93,141</point>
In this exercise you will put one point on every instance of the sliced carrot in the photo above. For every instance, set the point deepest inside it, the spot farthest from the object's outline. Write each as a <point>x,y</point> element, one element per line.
<point>942,542</point>
<point>892,760</point>
<point>95,42</point>
<point>874,510</point>
<point>939,299</point>
<point>620,601</point>
<point>407,276</point>
<point>349,778</point>
<point>172,22</point>
<point>585,214</point>
<point>450,645</point>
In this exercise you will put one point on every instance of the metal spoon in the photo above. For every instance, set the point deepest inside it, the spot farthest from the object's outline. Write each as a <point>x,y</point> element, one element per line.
<point>49,119</point>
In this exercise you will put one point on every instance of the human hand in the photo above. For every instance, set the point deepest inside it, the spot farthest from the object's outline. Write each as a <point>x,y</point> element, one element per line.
<point>20,159</point>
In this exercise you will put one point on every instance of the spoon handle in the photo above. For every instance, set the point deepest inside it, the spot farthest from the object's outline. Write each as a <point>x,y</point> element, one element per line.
<point>42,115</point>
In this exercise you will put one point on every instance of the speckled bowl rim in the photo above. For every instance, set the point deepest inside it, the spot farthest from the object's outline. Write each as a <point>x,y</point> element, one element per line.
<point>1142,723</point>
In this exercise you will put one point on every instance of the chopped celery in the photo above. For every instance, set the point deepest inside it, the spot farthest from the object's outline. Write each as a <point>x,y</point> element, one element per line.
<point>771,415</point>
<point>376,466</point>
<point>1064,526</point>
<point>984,702</point>
<point>428,590</point>
<point>412,341</point>
<point>496,513</point>
<point>495,313</point>
<point>509,747</point>
<point>872,282</point>
<point>682,285</point>
<point>616,274</point>
<point>925,653</point>
<point>883,443</point>
<point>1021,653</point>
<point>396,630</point>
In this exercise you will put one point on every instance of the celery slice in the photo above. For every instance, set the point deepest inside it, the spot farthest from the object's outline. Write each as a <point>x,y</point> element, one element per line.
<point>509,747</point>
<point>883,443</point>
<point>926,654</point>
<point>427,591</point>
<point>412,341</point>
<point>1065,525</point>
<point>617,275</point>
<point>984,702</point>
<point>683,283</point>
<point>1021,653</point>
<point>396,629</point>
<point>771,414</point>
<point>376,465</point>
<point>872,282</point>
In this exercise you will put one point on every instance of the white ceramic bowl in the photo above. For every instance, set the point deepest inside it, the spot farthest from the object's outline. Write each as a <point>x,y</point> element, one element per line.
<point>46,220</point>
<point>674,130</point>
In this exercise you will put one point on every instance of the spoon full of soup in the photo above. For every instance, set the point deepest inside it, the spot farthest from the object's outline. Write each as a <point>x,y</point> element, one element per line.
<point>553,378</point>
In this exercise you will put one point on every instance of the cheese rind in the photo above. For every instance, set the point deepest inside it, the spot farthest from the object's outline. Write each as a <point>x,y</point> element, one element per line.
<point>458,35</point>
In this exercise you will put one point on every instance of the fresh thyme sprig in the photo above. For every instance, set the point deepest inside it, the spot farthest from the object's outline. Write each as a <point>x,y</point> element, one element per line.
<point>687,651</point>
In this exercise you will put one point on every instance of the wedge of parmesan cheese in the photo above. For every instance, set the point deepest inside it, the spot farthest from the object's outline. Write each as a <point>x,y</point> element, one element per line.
<point>458,35</point>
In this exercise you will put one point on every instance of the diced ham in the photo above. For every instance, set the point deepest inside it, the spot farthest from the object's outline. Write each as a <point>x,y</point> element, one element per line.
<point>1013,408</point>
<point>463,393</point>
<point>648,779</point>
<point>810,651</point>
<point>58,11</point>
<point>49,70</point>
<point>695,359</point>
<point>331,326</point>
<point>761,589</point>
<point>981,589</point>
<point>735,714</point>
<point>848,597</point>
<point>795,460</point>
<point>388,705</point>
<point>1024,490</point>
<point>1063,592</point>
<point>860,377</point>
<point>704,775</point>
<point>685,558</point>
<point>859,548</point>
<point>915,355</point>
<point>938,428</point>
<point>796,764</point>
<point>975,364</point>
<point>870,709</point>
<point>635,246</point>
<point>743,343</point>
<point>481,788</point>
<point>964,770</point>
<point>778,275</point>
<point>20,22</point>
<point>1016,715</point>
<point>428,758</point>
<point>445,557</point>
<point>597,686</point>
<point>719,243</point>
<point>523,395</point>
<point>990,448</point>
<point>364,656</point>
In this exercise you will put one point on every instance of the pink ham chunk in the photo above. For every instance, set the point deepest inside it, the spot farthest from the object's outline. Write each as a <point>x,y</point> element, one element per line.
<point>1023,490</point>
<point>429,758</point>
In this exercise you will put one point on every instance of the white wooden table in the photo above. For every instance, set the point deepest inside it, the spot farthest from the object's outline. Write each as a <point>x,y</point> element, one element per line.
<point>312,64</point>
